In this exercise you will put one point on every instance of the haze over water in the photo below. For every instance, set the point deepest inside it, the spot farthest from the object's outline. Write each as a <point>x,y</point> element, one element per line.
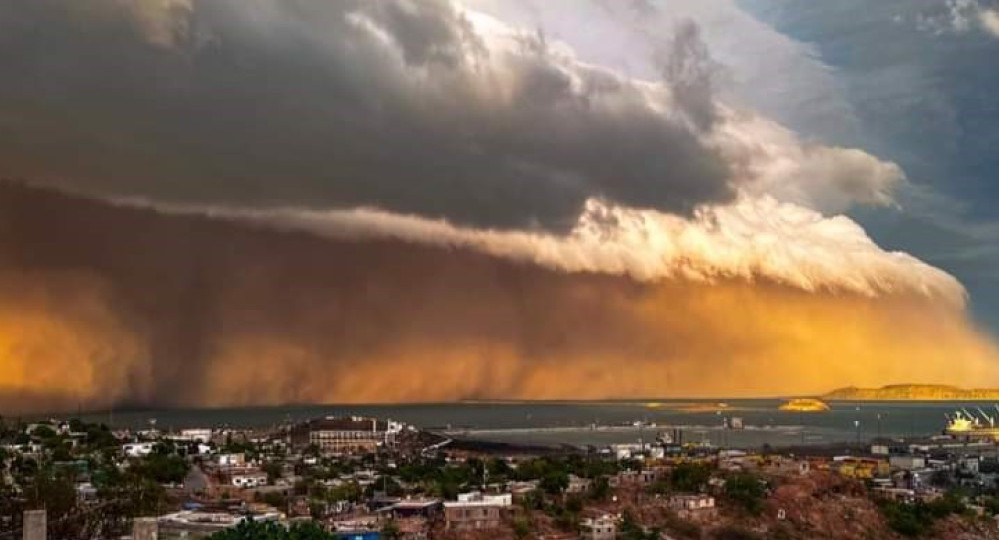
<point>594,422</point>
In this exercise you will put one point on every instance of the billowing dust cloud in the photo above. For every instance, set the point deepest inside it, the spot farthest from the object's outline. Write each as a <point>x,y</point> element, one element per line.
<point>105,303</point>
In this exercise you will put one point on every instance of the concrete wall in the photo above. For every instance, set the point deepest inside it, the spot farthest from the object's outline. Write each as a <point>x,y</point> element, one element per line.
<point>35,525</point>
<point>145,529</point>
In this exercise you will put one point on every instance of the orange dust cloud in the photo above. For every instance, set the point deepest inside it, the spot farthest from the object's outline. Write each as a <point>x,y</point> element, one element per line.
<point>103,304</point>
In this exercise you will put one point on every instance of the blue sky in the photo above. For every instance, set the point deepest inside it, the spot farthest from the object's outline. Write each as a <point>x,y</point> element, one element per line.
<point>915,82</point>
<point>923,89</point>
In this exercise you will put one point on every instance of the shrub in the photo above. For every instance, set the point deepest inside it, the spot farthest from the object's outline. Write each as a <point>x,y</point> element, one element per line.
<point>257,530</point>
<point>521,528</point>
<point>746,490</point>
<point>689,477</point>
<point>734,532</point>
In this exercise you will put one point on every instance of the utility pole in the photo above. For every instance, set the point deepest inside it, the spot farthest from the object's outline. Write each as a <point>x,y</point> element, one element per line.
<point>856,424</point>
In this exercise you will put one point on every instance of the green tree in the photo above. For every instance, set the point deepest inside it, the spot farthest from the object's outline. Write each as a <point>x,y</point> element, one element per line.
<point>746,490</point>
<point>54,491</point>
<point>689,477</point>
<point>531,500</point>
<point>390,531</point>
<point>907,519</point>
<point>554,482</point>
<point>498,469</point>
<point>917,519</point>
<point>43,432</point>
<point>162,467</point>
<point>521,528</point>
<point>257,530</point>
<point>600,488</point>
<point>273,470</point>
<point>629,529</point>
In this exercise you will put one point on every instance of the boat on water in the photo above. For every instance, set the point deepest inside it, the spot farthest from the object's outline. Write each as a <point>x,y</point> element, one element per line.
<point>968,424</point>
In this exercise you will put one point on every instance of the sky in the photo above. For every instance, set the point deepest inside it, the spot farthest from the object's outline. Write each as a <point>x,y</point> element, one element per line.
<point>249,202</point>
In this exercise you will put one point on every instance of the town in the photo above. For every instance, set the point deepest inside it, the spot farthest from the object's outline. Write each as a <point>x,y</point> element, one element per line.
<point>355,478</point>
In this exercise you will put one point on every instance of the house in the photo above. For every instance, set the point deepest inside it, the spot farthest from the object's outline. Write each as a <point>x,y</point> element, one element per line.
<point>896,494</point>
<point>412,508</point>
<point>519,490</point>
<point>200,435</point>
<point>790,466</point>
<point>137,449</point>
<point>599,528</point>
<point>231,460</point>
<point>644,477</point>
<point>499,499</point>
<point>474,515</point>
<point>969,464</point>
<point>692,505</point>
<point>248,479</point>
<point>858,467</point>
<point>907,462</point>
<point>578,485</point>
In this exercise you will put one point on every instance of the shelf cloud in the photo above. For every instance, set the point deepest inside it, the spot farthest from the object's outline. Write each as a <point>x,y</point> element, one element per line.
<point>112,304</point>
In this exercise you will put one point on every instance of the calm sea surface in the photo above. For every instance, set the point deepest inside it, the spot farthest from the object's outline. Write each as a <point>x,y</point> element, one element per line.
<point>597,423</point>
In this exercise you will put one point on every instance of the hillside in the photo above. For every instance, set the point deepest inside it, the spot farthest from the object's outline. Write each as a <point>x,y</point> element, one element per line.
<point>922,392</point>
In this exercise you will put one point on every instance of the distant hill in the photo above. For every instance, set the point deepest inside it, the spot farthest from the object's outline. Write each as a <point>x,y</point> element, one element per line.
<point>923,392</point>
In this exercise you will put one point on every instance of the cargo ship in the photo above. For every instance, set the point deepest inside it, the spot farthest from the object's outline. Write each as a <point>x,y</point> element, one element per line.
<point>967,424</point>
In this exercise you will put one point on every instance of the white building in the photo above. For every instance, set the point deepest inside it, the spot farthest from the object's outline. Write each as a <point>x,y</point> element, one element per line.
<point>249,480</point>
<point>499,499</point>
<point>232,460</point>
<point>201,435</point>
<point>137,449</point>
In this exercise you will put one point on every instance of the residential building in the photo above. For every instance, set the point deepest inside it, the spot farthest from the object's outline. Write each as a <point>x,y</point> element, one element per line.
<point>345,435</point>
<point>137,449</point>
<point>477,515</point>
<point>692,505</point>
<point>200,435</point>
<point>249,479</point>
<point>907,462</point>
<point>498,499</point>
<point>599,528</point>
<point>231,460</point>
<point>414,508</point>
<point>578,485</point>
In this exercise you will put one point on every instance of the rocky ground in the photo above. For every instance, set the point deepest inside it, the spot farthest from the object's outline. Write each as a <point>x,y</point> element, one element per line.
<point>820,505</point>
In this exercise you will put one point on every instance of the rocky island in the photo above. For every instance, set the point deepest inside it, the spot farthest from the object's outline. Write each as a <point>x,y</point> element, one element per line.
<point>912,392</point>
<point>803,405</point>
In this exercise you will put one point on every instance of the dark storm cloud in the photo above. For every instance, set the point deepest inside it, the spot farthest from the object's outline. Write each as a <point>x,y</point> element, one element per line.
<point>402,105</point>
<point>108,305</point>
<point>690,72</point>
